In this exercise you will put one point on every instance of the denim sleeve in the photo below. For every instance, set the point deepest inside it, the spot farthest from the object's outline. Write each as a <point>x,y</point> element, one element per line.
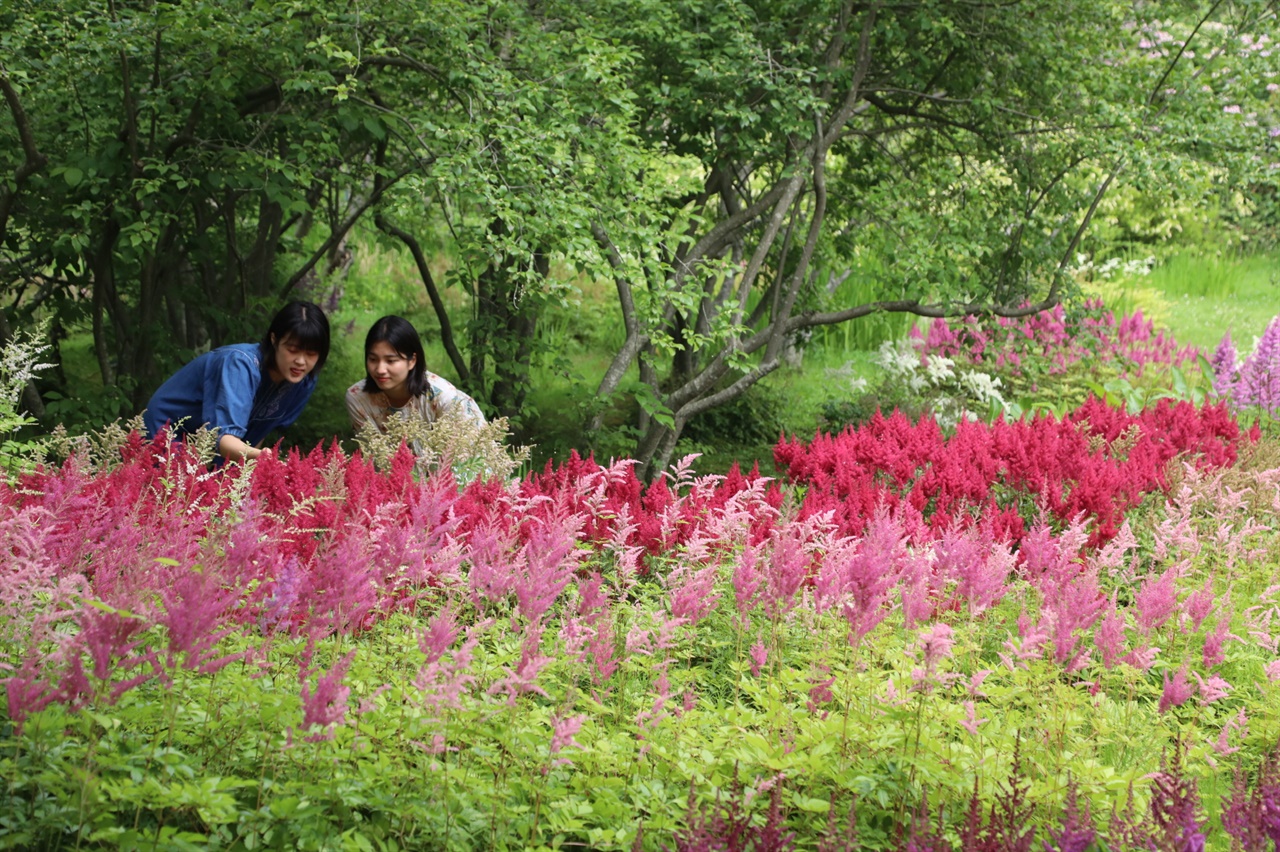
<point>229,386</point>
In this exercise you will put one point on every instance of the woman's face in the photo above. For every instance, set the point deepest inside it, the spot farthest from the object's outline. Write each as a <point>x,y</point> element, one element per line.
<point>293,362</point>
<point>389,369</point>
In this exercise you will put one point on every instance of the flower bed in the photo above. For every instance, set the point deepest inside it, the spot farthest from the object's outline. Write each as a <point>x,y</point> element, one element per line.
<point>312,653</point>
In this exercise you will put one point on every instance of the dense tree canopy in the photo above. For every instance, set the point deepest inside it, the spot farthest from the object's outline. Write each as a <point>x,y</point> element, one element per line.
<point>172,170</point>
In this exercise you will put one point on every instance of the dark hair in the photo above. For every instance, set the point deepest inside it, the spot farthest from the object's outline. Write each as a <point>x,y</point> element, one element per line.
<point>306,324</point>
<point>400,335</point>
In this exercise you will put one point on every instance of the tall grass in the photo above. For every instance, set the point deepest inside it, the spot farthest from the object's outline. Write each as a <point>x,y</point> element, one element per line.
<point>1207,276</point>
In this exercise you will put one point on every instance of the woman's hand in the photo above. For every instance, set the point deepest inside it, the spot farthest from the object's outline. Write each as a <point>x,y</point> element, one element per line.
<point>232,448</point>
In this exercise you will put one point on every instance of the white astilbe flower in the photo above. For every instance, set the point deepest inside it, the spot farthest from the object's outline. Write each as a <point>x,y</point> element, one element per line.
<point>940,369</point>
<point>982,386</point>
<point>898,358</point>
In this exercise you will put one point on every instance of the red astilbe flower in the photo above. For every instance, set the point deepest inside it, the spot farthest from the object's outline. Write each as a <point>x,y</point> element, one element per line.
<point>1066,466</point>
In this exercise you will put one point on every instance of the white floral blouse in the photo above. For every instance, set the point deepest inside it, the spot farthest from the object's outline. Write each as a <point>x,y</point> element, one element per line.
<point>375,408</point>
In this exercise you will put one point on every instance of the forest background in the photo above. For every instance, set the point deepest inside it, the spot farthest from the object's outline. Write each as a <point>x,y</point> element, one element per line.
<point>612,225</point>
<point>1035,608</point>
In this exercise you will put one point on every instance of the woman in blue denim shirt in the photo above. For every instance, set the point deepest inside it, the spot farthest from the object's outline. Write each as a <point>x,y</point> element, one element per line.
<point>245,390</point>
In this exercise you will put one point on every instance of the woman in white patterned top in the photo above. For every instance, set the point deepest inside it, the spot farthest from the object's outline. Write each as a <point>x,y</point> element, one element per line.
<point>397,381</point>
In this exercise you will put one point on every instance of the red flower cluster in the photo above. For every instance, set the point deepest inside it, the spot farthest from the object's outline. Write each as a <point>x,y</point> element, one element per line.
<point>1098,461</point>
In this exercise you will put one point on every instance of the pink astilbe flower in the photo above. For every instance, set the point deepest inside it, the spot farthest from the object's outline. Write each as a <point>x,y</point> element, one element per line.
<point>1176,690</point>
<point>524,678</point>
<point>547,561</point>
<point>1029,645</point>
<point>1156,600</point>
<point>1240,724</point>
<point>1109,635</point>
<point>1212,652</point>
<point>933,645</point>
<point>692,593</point>
<point>1212,689</point>
<point>790,555</point>
<point>759,657</point>
<point>442,683</point>
<point>747,580</point>
<point>1199,604</point>
<point>326,705</point>
<point>971,722</point>
<point>862,573</point>
<point>978,566</point>
<point>195,606</point>
<point>563,730</point>
<point>1073,603</point>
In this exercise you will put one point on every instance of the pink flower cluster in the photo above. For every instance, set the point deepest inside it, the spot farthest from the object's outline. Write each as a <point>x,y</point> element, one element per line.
<point>1051,341</point>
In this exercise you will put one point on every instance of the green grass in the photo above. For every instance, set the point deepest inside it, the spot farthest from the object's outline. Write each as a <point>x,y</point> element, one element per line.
<point>1243,306</point>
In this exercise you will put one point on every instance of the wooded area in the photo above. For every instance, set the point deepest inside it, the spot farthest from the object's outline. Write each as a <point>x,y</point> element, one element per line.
<point>173,171</point>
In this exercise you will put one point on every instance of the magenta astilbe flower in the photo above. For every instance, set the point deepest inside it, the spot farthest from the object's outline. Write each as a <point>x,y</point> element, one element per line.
<point>1076,832</point>
<point>1176,690</point>
<point>922,834</point>
<point>1244,815</point>
<point>439,635</point>
<point>340,590</point>
<point>326,705</point>
<point>108,635</point>
<point>26,692</point>
<point>1199,604</point>
<point>1109,635</point>
<point>1251,813</point>
<point>492,571</point>
<point>1175,808</point>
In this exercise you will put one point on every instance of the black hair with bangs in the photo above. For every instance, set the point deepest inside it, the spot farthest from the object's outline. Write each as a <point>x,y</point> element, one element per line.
<point>305,325</point>
<point>400,335</point>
